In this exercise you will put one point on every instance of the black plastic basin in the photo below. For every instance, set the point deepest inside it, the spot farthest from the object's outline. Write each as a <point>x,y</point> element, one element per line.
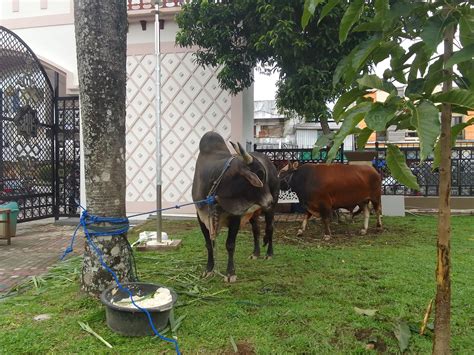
<point>132,321</point>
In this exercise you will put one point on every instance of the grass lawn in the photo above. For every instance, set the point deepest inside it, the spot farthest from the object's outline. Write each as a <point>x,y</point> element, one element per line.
<point>301,301</point>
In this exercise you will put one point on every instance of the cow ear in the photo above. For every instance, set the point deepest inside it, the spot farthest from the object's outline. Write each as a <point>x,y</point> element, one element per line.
<point>252,178</point>
<point>295,165</point>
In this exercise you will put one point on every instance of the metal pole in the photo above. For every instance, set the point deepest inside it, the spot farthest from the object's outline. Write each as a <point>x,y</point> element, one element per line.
<point>158,121</point>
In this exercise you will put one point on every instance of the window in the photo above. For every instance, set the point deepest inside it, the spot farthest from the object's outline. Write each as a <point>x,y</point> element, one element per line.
<point>457,120</point>
<point>270,131</point>
<point>411,134</point>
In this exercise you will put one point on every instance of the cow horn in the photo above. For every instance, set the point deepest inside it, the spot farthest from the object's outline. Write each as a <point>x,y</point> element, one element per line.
<point>236,148</point>
<point>247,157</point>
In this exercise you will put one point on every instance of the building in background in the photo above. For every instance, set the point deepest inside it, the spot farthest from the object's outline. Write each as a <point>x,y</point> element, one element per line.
<point>273,129</point>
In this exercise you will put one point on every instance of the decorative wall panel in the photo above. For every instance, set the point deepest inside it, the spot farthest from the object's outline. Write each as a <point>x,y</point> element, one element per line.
<point>192,103</point>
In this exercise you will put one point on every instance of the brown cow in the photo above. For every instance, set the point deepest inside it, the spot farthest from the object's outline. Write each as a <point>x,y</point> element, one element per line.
<point>321,188</point>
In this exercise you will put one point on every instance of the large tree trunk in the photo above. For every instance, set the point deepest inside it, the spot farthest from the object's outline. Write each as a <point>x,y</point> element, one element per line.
<point>324,124</point>
<point>101,41</point>
<point>443,281</point>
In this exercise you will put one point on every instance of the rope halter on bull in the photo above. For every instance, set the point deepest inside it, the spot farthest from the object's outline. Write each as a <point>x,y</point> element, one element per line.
<point>213,215</point>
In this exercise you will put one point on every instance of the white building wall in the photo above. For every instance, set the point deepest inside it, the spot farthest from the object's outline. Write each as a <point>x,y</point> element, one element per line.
<point>192,103</point>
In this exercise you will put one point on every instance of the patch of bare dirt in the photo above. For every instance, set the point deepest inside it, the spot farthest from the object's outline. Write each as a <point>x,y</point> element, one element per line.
<point>243,348</point>
<point>342,233</point>
<point>372,342</point>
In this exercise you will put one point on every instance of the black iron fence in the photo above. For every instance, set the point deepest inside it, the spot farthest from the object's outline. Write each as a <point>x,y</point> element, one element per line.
<point>281,157</point>
<point>462,168</point>
<point>462,172</point>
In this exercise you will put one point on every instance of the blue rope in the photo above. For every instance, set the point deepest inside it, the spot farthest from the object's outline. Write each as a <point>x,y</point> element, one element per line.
<point>94,219</point>
<point>122,227</point>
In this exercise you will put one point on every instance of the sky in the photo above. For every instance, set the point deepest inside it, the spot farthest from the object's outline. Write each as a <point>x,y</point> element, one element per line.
<point>264,87</point>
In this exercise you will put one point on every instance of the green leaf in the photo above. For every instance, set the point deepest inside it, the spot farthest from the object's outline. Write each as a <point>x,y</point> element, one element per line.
<point>459,109</point>
<point>463,83</point>
<point>378,117</point>
<point>396,63</point>
<point>425,117</point>
<point>467,71</point>
<point>351,118</point>
<point>382,8</point>
<point>434,76</point>
<point>466,28</point>
<point>362,52</point>
<point>372,26</point>
<point>456,129</point>
<point>414,89</point>
<point>463,55</point>
<point>345,100</point>
<point>399,169</point>
<point>363,137</point>
<point>327,8</point>
<point>404,122</point>
<point>459,97</point>
<point>342,68</point>
<point>308,12</point>
<point>402,333</point>
<point>374,82</point>
<point>323,141</point>
<point>419,64</point>
<point>351,16</point>
<point>432,33</point>
<point>365,312</point>
<point>383,51</point>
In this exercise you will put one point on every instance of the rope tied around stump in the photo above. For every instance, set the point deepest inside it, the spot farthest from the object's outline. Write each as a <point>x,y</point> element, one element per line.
<point>120,226</point>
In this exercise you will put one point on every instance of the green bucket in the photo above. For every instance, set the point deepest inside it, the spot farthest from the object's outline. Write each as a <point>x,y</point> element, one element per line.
<point>13,207</point>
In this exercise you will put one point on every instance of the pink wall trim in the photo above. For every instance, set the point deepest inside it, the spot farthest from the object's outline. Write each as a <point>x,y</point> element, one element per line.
<point>39,21</point>
<point>171,47</point>
<point>43,4</point>
<point>236,117</point>
<point>15,5</point>
<point>149,48</point>
<point>142,207</point>
<point>140,48</point>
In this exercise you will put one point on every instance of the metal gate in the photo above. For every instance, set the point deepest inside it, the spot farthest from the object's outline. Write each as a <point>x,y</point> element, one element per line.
<point>68,156</point>
<point>27,130</point>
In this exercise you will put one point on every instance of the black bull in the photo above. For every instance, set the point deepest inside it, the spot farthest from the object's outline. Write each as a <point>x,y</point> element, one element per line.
<point>244,186</point>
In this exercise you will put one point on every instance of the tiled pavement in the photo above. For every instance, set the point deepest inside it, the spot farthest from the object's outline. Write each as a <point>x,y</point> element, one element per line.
<point>36,247</point>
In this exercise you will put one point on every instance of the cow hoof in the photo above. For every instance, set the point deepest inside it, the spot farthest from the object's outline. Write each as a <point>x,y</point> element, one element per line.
<point>300,232</point>
<point>268,257</point>
<point>253,257</point>
<point>379,229</point>
<point>363,231</point>
<point>230,278</point>
<point>207,274</point>
<point>326,237</point>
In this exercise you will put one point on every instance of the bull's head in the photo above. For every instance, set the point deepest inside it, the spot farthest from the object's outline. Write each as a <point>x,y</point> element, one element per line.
<point>244,184</point>
<point>285,174</point>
